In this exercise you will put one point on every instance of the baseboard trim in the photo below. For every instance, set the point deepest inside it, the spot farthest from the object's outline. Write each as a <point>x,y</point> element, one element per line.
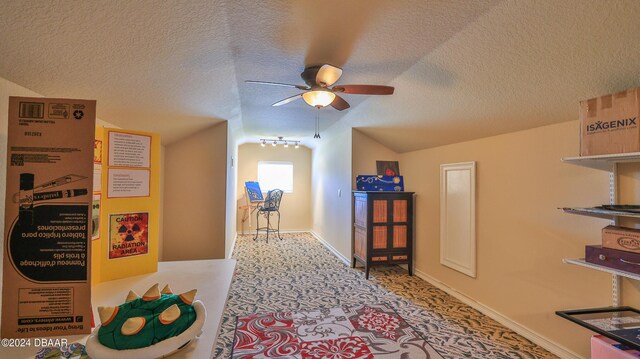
<point>331,248</point>
<point>233,246</point>
<point>549,345</point>
<point>253,233</point>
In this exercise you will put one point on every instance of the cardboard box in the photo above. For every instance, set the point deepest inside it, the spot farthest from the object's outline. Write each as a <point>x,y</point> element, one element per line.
<point>621,238</point>
<point>47,255</point>
<point>609,124</point>
<point>605,348</point>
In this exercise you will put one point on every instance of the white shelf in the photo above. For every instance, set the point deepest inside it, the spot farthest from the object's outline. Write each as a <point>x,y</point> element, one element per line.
<point>581,262</point>
<point>608,163</point>
<point>603,162</point>
<point>600,213</point>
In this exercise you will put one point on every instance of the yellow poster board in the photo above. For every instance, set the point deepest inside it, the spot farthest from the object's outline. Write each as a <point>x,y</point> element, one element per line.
<point>129,204</point>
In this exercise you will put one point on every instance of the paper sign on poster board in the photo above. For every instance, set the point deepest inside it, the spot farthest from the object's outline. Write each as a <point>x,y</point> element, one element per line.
<point>128,235</point>
<point>129,150</point>
<point>46,283</point>
<point>127,183</point>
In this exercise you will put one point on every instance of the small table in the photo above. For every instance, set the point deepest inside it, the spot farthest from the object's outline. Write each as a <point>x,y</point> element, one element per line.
<point>212,278</point>
<point>247,213</point>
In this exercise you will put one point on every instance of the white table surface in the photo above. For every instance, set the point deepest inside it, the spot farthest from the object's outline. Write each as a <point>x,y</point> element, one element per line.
<point>212,278</point>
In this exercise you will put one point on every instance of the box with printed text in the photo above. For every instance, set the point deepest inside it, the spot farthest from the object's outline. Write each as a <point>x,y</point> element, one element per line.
<point>609,124</point>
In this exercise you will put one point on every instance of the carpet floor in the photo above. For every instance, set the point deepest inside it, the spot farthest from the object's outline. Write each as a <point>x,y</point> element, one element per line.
<point>363,331</point>
<point>299,273</point>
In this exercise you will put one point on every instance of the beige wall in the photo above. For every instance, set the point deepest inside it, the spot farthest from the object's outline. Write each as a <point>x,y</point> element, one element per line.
<point>366,151</point>
<point>295,208</point>
<point>194,196</point>
<point>521,235</point>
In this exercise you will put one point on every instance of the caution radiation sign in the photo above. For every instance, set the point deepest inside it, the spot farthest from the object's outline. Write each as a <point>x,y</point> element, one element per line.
<point>128,235</point>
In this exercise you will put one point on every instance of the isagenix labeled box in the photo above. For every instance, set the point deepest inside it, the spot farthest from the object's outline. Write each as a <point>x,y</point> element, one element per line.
<point>609,124</point>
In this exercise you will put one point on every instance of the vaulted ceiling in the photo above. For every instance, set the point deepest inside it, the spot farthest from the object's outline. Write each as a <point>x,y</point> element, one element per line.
<point>462,69</point>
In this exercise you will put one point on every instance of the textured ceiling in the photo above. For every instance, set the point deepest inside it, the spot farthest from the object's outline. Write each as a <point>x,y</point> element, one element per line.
<point>523,64</point>
<point>163,68</point>
<point>462,69</point>
<point>373,41</point>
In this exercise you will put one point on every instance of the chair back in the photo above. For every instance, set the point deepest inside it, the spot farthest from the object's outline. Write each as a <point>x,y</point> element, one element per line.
<point>272,201</point>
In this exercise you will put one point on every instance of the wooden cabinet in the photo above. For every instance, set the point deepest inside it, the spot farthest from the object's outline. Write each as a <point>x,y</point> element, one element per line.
<point>382,229</point>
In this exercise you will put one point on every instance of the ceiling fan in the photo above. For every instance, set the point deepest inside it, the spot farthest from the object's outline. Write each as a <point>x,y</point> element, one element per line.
<point>318,92</point>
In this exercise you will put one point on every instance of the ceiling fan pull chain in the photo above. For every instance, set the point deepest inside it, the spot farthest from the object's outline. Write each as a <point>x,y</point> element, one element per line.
<point>317,134</point>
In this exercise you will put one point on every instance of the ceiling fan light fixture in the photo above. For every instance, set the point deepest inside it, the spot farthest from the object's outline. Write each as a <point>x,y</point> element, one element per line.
<point>319,98</point>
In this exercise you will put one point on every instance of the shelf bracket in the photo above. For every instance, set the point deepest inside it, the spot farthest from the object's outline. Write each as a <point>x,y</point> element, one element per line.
<point>615,290</point>
<point>613,199</point>
<point>613,185</point>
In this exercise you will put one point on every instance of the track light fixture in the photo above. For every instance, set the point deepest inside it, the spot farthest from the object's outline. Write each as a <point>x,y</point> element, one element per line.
<point>280,140</point>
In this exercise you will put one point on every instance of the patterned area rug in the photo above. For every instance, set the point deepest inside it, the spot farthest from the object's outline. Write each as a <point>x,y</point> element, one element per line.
<point>363,331</point>
<point>299,273</point>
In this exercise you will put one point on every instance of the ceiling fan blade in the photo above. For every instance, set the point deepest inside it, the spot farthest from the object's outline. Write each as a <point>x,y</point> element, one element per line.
<point>364,89</point>
<point>288,99</point>
<point>300,87</point>
<point>328,75</point>
<point>339,103</point>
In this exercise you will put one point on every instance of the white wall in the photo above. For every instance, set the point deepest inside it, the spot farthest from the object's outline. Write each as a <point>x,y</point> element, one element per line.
<point>232,175</point>
<point>338,157</point>
<point>330,173</point>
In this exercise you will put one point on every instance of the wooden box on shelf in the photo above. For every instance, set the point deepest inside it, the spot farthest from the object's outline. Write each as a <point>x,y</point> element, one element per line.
<point>621,238</point>
<point>613,258</point>
<point>382,229</point>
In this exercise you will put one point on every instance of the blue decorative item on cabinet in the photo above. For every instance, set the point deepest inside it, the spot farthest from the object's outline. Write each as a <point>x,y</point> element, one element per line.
<point>380,183</point>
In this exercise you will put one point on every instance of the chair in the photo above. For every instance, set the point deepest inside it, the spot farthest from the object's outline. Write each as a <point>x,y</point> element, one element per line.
<point>270,207</point>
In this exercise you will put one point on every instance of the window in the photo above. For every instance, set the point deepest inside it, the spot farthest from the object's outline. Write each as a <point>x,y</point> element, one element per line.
<point>272,175</point>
